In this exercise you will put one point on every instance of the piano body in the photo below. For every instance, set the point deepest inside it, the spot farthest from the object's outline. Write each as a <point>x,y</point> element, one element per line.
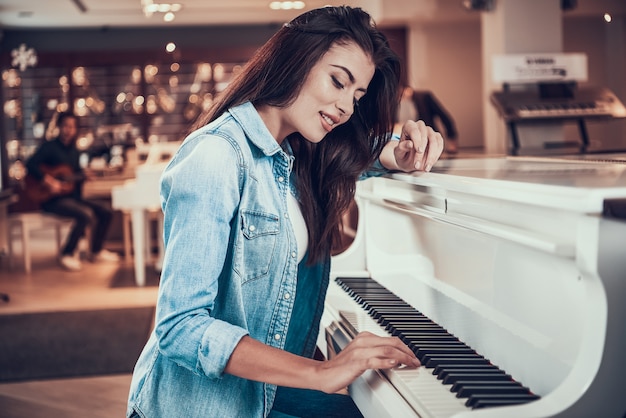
<point>513,257</point>
<point>139,196</point>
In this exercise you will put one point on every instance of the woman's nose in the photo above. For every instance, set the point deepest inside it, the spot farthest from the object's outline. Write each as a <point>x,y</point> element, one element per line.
<point>346,106</point>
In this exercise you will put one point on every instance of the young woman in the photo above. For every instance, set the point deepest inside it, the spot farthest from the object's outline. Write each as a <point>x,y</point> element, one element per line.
<point>252,202</point>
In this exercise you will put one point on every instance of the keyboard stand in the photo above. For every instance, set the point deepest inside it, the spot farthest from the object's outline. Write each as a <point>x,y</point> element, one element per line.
<point>582,129</point>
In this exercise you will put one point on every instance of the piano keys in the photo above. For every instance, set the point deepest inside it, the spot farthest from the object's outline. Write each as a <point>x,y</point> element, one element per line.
<point>469,376</point>
<point>509,262</point>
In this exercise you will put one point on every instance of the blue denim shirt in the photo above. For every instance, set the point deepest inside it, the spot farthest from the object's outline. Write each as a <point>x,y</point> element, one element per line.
<point>230,270</point>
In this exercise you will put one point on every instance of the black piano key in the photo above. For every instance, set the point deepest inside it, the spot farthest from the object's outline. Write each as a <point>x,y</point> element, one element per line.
<point>490,402</point>
<point>461,356</point>
<point>424,356</point>
<point>395,316</point>
<point>462,384</point>
<point>417,344</point>
<point>452,378</point>
<point>438,344</point>
<point>454,361</point>
<point>414,341</point>
<point>416,331</point>
<point>443,371</point>
<point>406,326</point>
<point>409,323</point>
<point>442,351</point>
<point>474,390</point>
<point>500,399</point>
<point>425,335</point>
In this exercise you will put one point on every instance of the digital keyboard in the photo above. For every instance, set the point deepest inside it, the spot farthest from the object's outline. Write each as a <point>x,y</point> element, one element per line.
<point>510,267</point>
<point>586,102</point>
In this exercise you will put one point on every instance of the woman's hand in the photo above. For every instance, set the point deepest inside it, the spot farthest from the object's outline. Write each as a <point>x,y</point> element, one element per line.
<point>366,351</point>
<point>420,146</point>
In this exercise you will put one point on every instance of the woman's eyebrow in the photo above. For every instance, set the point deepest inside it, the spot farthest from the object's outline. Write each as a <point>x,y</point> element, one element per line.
<point>349,74</point>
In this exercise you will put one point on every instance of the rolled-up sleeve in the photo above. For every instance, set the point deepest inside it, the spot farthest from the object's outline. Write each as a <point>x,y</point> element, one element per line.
<point>200,192</point>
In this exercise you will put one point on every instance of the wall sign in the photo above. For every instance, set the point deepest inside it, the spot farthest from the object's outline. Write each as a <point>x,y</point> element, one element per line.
<point>532,68</point>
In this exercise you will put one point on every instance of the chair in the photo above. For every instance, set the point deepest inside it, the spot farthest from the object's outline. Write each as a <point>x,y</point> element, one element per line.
<point>22,224</point>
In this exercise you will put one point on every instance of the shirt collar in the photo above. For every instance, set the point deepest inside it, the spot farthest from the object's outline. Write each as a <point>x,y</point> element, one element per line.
<point>254,127</point>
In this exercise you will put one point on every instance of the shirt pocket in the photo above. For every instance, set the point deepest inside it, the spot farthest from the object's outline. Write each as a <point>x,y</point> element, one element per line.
<point>259,235</point>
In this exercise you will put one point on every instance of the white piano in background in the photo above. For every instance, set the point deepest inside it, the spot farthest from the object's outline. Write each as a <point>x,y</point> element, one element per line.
<point>512,256</point>
<point>140,197</point>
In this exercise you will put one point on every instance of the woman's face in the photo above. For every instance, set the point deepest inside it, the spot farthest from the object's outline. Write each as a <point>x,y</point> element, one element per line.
<point>329,94</point>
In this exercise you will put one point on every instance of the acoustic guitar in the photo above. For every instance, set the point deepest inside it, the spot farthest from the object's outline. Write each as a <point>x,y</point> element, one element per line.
<point>39,192</point>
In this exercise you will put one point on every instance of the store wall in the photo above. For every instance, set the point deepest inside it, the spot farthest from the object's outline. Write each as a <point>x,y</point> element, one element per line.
<point>605,47</point>
<point>445,58</point>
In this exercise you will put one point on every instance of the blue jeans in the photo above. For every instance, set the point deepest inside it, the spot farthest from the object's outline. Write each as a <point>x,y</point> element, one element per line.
<point>85,213</point>
<point>304,403</point>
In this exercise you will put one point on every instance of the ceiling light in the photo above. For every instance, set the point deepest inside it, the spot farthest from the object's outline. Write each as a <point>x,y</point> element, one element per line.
<point>287,5</point>
<point>149,7</point>
<point>607,18</point>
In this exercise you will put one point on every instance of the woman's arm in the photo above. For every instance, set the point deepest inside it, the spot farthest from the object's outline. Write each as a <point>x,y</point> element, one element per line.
<point>254,360</point>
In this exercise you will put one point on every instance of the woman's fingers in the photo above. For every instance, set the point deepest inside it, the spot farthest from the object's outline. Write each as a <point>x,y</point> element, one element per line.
<point>390,350</point>
<point>366,351</point>
<point>420,147</point>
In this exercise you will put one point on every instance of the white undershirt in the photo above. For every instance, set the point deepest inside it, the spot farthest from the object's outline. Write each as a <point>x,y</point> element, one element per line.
<point>299,226</point>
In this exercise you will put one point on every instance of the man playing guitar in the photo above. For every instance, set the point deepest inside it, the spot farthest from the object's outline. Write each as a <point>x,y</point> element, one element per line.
<point>55,179</point>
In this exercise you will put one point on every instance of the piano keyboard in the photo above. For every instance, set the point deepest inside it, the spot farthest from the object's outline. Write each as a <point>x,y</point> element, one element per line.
<point>537,110</point>
<point>453,378</point>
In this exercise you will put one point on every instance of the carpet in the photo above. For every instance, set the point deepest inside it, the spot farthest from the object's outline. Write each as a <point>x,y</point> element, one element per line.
<point>125,277</point>
<point>75,343</point>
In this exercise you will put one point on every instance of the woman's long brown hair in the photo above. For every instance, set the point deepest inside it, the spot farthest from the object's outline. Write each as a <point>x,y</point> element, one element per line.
<point>326,172</point>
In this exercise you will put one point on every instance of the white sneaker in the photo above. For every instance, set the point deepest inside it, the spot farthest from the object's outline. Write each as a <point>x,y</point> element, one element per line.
<point>106,255</point>
<point>70,263</point>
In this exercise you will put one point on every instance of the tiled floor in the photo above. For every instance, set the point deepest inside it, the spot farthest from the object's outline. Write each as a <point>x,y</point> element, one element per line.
<point>50,288</point>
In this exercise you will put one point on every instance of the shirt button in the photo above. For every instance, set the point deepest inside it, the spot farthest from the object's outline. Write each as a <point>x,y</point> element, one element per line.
<point>281,179</point>
<point>293,254</point>
<point>251,228</point>
<point>287,296</point>
<point>277,337</point>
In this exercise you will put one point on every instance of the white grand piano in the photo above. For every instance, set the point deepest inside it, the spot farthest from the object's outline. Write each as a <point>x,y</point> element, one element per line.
<point>140,198</point>
<point>516,262</point>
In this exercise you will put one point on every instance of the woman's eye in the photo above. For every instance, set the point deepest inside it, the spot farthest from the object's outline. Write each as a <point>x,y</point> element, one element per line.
<point>336,82</point>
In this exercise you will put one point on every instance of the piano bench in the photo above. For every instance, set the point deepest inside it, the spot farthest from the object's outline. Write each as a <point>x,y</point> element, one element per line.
<point>21,225</point>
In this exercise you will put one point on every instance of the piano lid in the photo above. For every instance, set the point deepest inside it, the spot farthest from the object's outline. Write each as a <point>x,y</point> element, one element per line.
<point>559,183</point>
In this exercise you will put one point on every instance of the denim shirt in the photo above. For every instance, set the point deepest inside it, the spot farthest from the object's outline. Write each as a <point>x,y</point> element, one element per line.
<point>230,270</point>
